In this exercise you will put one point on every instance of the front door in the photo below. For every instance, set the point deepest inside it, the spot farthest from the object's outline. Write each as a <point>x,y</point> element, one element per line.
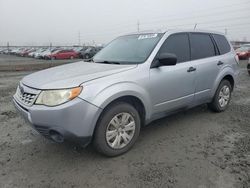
<point>173,87</point>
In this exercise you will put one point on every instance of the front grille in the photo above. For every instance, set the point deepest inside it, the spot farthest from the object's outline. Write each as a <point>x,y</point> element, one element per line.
<point>26,98</point>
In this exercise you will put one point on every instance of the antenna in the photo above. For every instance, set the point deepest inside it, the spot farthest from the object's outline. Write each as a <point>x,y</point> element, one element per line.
<point>195,26</point>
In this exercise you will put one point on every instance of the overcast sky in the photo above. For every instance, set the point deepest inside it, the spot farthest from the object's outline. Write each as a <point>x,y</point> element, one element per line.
<point>64,22</point>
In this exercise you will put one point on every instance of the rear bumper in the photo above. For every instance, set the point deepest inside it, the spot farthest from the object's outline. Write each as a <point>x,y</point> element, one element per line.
<point>73,121</point>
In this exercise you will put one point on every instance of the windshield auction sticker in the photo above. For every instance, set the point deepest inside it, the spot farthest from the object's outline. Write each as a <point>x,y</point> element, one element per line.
<point>147,36</point>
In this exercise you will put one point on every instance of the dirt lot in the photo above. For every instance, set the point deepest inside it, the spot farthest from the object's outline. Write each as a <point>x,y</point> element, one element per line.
<point>15,63</point>
<point>196,148</point>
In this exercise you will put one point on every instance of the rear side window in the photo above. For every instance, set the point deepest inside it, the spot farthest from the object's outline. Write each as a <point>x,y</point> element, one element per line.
<point>177,44</point>
<point>222,43</point>
<point>201,46</point>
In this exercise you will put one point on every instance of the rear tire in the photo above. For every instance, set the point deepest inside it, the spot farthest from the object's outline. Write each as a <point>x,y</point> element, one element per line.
<point>222,97</point>
<point>117,129</point>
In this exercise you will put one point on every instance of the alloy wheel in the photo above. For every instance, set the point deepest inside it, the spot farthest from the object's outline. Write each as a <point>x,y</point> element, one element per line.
<point>120,130</point>
<point>224,96</point>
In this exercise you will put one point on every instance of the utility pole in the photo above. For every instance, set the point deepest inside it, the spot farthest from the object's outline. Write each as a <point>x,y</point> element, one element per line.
<point>8,46</point>
<point>50,49</point>
<point>138,26</point>
<point>226,31</point>
<point>79,38</point>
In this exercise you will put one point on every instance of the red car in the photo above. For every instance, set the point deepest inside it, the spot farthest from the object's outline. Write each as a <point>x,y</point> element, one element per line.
<point>243,52</point>
<point>25,52</point>
<point>64,54</point>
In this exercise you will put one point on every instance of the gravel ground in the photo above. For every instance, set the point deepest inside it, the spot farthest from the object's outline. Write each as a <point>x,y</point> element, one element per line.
<point>195,148</point>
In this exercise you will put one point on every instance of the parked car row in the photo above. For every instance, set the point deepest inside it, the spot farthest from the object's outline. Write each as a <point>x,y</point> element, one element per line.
<point>85,52</point>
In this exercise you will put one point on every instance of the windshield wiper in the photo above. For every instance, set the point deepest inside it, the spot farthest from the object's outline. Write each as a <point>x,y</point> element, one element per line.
<point>108,62</point>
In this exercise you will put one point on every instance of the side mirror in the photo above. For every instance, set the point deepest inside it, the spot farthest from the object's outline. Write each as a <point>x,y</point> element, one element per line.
<point>167,59</point>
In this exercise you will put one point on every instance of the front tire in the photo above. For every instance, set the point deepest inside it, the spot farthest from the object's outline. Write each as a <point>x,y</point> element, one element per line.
<point>117,129</point>
<point>222,97</point>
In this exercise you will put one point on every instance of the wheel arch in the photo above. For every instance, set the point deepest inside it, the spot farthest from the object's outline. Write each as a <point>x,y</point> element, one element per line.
<point>230,79</point>
<point>227,74</point>
<point>132,100</point>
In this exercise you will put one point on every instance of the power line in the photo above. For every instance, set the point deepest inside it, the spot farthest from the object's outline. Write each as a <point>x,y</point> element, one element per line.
<point>167,26</point>
<point>196,16</point>
<point>221,11</point>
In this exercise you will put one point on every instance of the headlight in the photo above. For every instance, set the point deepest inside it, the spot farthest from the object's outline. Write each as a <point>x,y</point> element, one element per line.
<point>57,97</point>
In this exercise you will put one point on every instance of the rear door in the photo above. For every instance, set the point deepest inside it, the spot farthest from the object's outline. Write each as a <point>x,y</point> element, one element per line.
<point>204,58</point>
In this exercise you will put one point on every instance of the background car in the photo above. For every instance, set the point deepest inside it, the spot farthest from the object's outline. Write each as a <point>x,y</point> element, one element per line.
<point>63,54</point>
<point>90,52</point>
<point>46,53</point>
<point>243,52</point>
<point>26,52</point>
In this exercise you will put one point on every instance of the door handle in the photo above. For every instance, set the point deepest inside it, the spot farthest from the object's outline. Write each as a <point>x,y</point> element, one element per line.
<point>191,69</point>
<point>220,63</point>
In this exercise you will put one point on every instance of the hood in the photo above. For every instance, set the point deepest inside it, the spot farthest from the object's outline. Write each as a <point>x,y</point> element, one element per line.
<point>71,75</point>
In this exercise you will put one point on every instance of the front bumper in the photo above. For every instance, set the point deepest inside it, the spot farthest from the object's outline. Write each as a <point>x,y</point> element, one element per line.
<point>73,121</point>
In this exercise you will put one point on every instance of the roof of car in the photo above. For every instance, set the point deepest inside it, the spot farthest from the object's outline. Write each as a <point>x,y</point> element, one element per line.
<point>195,31</point>
<point>177,31</point>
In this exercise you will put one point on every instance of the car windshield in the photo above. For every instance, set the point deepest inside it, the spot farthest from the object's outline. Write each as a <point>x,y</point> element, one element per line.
<point>88,50</point>
<point>129,49</point>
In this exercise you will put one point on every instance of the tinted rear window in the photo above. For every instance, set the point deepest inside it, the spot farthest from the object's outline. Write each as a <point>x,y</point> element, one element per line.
<point>201,46</point>
<point>222,43</point>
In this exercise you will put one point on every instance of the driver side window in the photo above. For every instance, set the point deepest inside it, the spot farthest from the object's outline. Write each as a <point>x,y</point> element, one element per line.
<point>177,44</point>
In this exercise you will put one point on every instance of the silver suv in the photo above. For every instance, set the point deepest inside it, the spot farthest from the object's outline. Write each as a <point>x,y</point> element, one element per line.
<point>134,80</point>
